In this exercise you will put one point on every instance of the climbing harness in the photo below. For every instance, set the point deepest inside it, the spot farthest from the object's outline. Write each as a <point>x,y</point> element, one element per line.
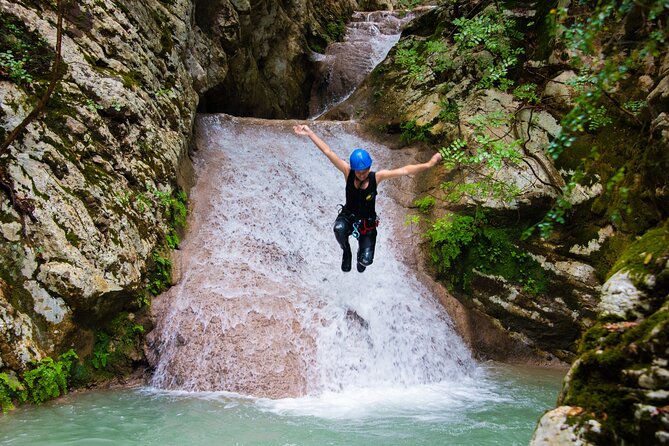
<point>368,225</point>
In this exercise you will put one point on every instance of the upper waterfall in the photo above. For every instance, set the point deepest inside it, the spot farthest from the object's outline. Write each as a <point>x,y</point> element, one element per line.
<point>262,307</point>
<point>368,39</point>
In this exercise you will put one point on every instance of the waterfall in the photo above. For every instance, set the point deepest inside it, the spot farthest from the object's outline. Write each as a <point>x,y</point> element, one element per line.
<point>368,38</point>
<point>262,307</point>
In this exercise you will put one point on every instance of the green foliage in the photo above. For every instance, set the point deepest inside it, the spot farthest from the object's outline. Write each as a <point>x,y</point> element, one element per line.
<point>634,106</point>
<point>602,81</point>
<point>461,244</point>
<point>49,378</point>
<point>412,132</point>
<point>24,54</point>
<point>450,112</point>
<point>408,4</point>
<point>495,254</point>
<point>425,204</point>
<point>162,275</point>
<point>527,93</point>
<point>14,69</point>
<point>174,208</point>
<point>408,56</point>
<point>142,300</point>
<point>495,32</point>
<point>420,58</point>
<point>11,390</point>
<point>487,188</point>
<point>438,58</point>
<point>101,351</point>
<point>455,153</point>
<point>335,31</point>
<point>115,343</point>
<point>486,152</point>
<point>448,236</point>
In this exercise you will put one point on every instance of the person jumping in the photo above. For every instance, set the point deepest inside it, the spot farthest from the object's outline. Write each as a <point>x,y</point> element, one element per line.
<point>358,216</point>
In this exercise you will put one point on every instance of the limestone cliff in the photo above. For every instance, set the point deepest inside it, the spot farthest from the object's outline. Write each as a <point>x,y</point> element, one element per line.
<point>89,191</point>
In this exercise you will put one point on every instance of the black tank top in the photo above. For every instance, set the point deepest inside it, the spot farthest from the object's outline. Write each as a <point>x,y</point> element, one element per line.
<point>361,202</point>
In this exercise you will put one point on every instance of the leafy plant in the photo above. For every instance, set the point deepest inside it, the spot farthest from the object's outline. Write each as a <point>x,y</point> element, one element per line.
<point>425,204</point>
<point>335,31</point>
<point>49,378</point>
<point>101,351</point>
<point>450,112</point>
<point>10,389</point>
<point>486,151</point>
<point>162,275</point>
<point>495,32</point>
<point>411,131</point>
<point>14,69</point>
<point>409,57</point>
<point>601,82</point>
<point>24,54</point>
<point>448,236</point>
<point>461,244</point>
<point>527,92</point>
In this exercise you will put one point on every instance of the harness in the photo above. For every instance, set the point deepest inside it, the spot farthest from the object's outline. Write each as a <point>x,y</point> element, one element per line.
<point>368,225</point>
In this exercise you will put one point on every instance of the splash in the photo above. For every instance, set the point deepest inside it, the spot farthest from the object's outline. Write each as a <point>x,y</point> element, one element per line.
<point>262,307</point>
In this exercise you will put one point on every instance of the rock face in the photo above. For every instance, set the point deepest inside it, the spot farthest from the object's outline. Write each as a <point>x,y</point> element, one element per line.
<point>620,381</point>
<point>85,189</point>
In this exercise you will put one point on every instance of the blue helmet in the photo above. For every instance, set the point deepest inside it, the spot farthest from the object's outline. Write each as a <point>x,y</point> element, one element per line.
<point>360,160</point>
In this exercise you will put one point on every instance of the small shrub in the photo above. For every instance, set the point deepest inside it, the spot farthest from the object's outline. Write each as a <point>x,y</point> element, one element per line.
<point>412,132</point>
<point>10,390</point>
<point>49,378</point>
<point>425,204</point>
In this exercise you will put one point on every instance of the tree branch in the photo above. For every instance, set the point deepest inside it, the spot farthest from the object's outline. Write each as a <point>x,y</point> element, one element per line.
<point>55,77</point>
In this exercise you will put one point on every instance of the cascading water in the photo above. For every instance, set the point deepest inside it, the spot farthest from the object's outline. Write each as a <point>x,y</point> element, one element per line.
<point>262,307</point>
<point>368,38</point>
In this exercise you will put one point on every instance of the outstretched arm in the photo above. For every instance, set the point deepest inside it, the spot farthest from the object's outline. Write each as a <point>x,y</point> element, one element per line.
<point>409,169</point>
<point>334,159</point>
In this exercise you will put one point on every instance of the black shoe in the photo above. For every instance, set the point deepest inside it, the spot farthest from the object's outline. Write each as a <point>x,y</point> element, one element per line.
<point>361,267</point>
<point>346,261</point>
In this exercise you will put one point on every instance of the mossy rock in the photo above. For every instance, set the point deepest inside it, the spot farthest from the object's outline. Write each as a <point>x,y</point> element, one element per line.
<point>647,256</point>
<point>606,381</point>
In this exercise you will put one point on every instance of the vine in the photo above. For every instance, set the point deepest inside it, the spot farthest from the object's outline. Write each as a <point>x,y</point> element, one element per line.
<point>587,37</point>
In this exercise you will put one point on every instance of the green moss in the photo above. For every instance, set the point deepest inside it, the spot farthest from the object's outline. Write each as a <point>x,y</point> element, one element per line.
<point>132,79</point>
<point>11,390</point>
<point>608,254</point>
<point>599,384</point>
<point>641,257</point>
<point>335,31</point>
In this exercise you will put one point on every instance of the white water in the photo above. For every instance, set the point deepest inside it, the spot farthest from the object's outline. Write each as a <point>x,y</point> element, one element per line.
<point>263,308</point>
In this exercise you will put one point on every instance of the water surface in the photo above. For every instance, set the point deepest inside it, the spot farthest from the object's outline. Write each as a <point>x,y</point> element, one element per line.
<point>500,406</point>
